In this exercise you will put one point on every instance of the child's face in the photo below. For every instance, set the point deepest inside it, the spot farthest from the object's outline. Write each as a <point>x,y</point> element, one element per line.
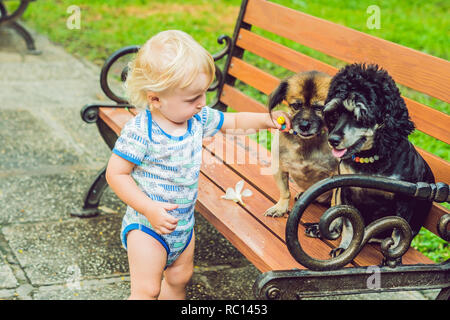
<point>179,105</point>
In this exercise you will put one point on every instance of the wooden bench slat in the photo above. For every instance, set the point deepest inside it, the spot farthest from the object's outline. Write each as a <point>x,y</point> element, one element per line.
<point>404,64</point>
<point>239,101</point>
<point>440,167</point>
<point>415,257</point>
<point>279,54</point>
<point>240,229</point>
<point>253,76</point>
<point>426,119</point>
<point>429,120</point>
<point>115,118</point>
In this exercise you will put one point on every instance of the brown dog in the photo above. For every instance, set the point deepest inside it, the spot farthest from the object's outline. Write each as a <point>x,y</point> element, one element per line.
<point>304,153</point>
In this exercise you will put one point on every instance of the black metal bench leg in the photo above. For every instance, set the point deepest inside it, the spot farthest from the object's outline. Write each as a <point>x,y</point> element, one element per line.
<point>26,36</point>
<point>93,196</point>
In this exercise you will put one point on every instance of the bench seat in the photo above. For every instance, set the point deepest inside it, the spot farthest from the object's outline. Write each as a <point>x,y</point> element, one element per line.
<point>260,239</point>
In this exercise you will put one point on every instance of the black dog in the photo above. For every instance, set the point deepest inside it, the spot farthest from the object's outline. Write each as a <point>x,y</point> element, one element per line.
<point>368,125</point>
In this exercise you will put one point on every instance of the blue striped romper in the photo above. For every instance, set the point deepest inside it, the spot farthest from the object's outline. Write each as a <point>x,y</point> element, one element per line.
<point>167,170</point>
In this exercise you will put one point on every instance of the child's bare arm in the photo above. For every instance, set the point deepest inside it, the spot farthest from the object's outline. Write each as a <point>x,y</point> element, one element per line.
<point>253,120</point>
<point>118,175</point>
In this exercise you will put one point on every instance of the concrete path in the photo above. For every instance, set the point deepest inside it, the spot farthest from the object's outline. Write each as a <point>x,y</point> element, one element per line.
<point>48,158</point>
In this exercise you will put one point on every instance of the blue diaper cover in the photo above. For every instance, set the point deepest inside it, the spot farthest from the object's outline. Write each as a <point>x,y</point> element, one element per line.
<point>174,243</point>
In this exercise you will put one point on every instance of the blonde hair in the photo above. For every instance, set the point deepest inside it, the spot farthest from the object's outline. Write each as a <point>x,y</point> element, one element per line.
<point>170,59</point>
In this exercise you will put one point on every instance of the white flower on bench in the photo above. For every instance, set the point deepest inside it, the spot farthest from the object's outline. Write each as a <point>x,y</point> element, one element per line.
<point>235,194</point>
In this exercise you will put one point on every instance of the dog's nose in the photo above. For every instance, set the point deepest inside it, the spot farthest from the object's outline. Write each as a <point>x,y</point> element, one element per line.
<point>304,125</point>
<point>334,140</point>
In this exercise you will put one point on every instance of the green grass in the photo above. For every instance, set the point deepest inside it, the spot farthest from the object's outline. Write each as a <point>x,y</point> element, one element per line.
<point>431,246</point>
<point>109,25</point>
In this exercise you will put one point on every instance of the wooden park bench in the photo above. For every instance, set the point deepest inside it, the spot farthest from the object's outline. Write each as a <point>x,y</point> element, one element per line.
<point>272,244</point>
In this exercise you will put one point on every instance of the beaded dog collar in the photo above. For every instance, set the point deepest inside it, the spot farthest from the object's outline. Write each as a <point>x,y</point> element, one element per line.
<point>365,159</point>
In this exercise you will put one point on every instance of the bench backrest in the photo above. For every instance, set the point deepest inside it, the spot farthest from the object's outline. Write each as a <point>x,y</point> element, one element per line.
<point>411,68</point>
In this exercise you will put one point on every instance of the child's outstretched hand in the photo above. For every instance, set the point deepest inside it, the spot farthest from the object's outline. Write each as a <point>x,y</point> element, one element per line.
<point>161,221</point>
<point>281,121</point>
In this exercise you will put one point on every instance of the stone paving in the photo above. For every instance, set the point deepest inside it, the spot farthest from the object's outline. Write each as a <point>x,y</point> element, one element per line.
<point>48,158</point>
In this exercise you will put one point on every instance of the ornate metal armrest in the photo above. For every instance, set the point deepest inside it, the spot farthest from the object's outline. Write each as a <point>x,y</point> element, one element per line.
<point>107,66</point>
<point>438,192</point>
<point>218,56</point>
<point>89,112</point>
<point>133,49</point>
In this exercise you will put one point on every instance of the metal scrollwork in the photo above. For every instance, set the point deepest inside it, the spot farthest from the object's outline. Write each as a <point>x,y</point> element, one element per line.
<point>442,228</point>
<point>219,55</point>
<point>392,254</point>
<point>361,234</point>
<point>219,74</point>
<point>107,66</point>
<point>89,113</point>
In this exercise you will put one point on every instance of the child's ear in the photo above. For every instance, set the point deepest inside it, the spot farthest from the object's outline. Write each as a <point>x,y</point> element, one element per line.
<point>153,99</point>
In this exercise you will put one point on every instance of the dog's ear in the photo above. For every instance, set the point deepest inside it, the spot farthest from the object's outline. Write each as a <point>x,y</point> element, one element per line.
<point>331,105</point>
<point>398,119</point>
<point>396,116</point>
<point>278,95</point>
<point>395,123</point>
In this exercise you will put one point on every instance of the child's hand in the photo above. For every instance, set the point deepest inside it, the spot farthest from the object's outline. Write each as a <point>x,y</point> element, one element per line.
<point>279,116</point>
<point>161,221</point>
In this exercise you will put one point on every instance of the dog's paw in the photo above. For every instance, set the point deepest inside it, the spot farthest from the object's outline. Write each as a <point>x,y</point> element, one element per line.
<point>312,230</point>
<point>336,252</point>
<point>276,211</point>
